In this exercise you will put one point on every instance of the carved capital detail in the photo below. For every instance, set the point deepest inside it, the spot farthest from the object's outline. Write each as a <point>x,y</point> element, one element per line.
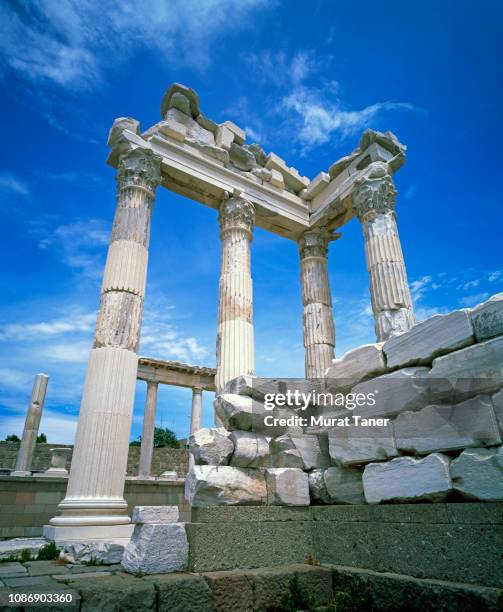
<point>236,213</point>
<point>314,243</point>
<point>139,168</point>
<point>374,192</point>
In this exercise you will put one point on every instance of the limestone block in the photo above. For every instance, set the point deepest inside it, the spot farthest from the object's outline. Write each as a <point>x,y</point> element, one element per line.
<point>290,175</point>
<point>254,386</point>
<point>344,484</point>
<point>341,164</point>
<point>211,446</point>
<point>239,134</point>
<point>173,129</point>
<point>317,487</point>
<point>119,125</point>
<point>155,514</point>
<point>316,186</point>
<point>259,153</point>
<point>426,340</point>
<point>207,124</point>
<point>224,137</point>
<point>310,448</point>
<point>207,486</point>
<point>487,318</point>
<point>478,473</point>
<point>355,445</point>
<point>241,157</point>
<point>405,479</point>
<point>182,98</point>
<point>497,400</point>
<point>196,134</point>
<point>250,449</point>
<point>157,549</point>
<point>277,179</point>
<point>287,487</point>
<point>356,365</point>
<point>447,428</point>
<point>103,553</point>
<point>407,389</point>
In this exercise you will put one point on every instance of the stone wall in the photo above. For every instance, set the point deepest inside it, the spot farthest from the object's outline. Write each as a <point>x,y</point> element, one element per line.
<point>27,503</point>
<point>163,459</point>
<point>428,425</point>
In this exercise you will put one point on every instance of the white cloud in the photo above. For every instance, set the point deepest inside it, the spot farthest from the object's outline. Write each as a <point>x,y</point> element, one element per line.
<point>58,427</point>
<point>473,300</point>
<point>282,69</point>
<point>494,276</point>
<point>72,42</point>
<point>470,284</point>
<point>419,286</point>
<point>72,322</point>
<point>14,380</point>
<point>10,183</point>
<point>69,352</point>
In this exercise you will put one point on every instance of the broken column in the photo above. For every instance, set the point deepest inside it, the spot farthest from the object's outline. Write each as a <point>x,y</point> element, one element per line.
<point>31,425</point>
<point>318,322</point>
<point>195,417</point>
<point>94,505</point>
<point>147,432</point>
<point>374,204</point>
<point>235,351</point>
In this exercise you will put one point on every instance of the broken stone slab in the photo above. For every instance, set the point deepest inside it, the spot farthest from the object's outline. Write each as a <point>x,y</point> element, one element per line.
<point>15,546</point>
<point>119,125</point>
<point>406,479</point>
<point>287,487</point>
<point>344,484</point>
<point>436,336</point>
<point>155,514</point>
<point>290,175</point>
<point>182,98</point>
<point>317,487</point>
<point>312,449</point>
<point>407,389</point>
<point>250,449</point>
<point>359,364</point>
<point>157,549</point>
<point>196,134</point>
<point>447,428</point>
<point>478,473</point>
<point>316,186</point>
<point>224,137</point>
<point>254,386</point>
<point>241,157</point>
<point>355,445</point>
<point>487,318</point>
<point>103,553</point>
<point>239,134</point>
<point>497,400</point>
<point>207,486</point>
<point>211,446</point>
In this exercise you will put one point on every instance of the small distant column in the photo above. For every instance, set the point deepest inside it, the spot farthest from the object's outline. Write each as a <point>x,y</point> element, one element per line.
<point>59,459</point>
<point>147,432</point>
<point>235,351</point>
<point>195,418</point>
<point>31,425</point>
<point>318,321</point>
<point>374,204</point>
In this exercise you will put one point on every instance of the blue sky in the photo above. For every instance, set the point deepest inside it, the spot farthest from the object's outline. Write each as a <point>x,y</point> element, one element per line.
<point>304,79</point>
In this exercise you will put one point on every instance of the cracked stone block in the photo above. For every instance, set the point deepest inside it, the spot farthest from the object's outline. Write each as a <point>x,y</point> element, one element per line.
<point>157,549</point>
<point>211,446</point>
<point>344,484</point>
<point>250,449</point>
<point>355,445</point>
<point>487,318</point>
<point>106,553</point>
<point>356,365</point>
<point>311,449</point>
<point>317,487</point>
<point>155,514</point>
<point>287,487</point>
<point>478,473</point>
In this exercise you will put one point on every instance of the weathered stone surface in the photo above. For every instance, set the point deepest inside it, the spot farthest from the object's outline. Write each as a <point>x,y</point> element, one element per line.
<point>317,487</point>
<point>182,593</point>
<point>426,340</point>
<point>310,448</point>
<point>182,98</point>
<point>157,549</point>
<point>241,157</point>
<point>14,547</point>
<point>254,386</point>
<point>231,591</point>
<point>105,553</point>
<point>208,486</point>
<point>356,365</point>
<point>407,389</point>
<point>250,449</point>
<point>155,514</point>
<point>119,125</point>
<point>344,485</point>
<point>287,487</point>
<point>211,446</point>
<point>447,428</point>
<point>478,473</point>
<point>497,400</point>
<point>355,445</point>
<point>407,479</point>
<point>110,593</point>
<point>487,318</point>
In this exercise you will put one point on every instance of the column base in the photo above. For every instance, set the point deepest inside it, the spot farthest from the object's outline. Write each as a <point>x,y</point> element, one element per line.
<point>115,534</point>
<point>20,473</point>
<point>55,473</point>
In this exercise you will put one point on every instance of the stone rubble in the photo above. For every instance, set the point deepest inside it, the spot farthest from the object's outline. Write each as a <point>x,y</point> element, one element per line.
<point>211,446</point>
<point>478,474</point>
<point>487,318</point>
<point>359,364</point>
<point>250,450</point>
<point>344,485</point>
<point>103,553</point>
<point>355,445</point>
<point>287,487</point>
<point>207,486</point>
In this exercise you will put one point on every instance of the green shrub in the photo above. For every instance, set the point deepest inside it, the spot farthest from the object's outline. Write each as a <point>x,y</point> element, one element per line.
<point>297,598</point>
<point>48,552</point>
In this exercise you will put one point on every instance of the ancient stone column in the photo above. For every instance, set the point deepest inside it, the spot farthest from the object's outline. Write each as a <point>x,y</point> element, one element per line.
<point>374,204</point>
<point>59,459</point>
<point>318,322</point>
<point>195,417</point>
<point>147,432</point>
<point>31,425</point>
<point>96,484</point>
<point>235,351</point>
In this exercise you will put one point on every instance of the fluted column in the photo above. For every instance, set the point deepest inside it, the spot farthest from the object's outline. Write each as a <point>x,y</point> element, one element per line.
<point>31,425</point>
<point>235,352</point>
<point>147,432</point>
<point>195,417</point>
<point>317,319</point>
<point>96,482</point>
<point>374,204</point>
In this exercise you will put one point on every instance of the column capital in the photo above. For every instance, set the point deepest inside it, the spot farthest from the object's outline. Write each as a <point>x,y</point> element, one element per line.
<point>314,242</point>
<point>139,168</point>
<point>374,192</point>
<point>236,212</point>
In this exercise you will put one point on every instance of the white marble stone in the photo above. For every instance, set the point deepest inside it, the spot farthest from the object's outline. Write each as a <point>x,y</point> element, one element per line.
<point>497,400</point>
<point>147,432</point>
<point>207,486</point>
<point>344,484</point>
<point>478,474</point>
<point>355,445</point>
<point>250,449</point>
<point>59,460</point>
<point>366,361</point>
<point>155,514</point>
<point>317,487</point>
<point>157,549</point>
<point>311,448</point>
<point>488,318</point>
<point>211,446</point>
<point>105,553</point>
<point>446,428</point>
<point>15,546</point>
<point>406,479</point>
<point>287,487</point>
<point>426,340</point>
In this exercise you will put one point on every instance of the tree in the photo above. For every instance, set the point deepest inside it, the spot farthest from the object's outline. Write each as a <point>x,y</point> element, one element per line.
<point>42,439</point>
<point>165,437</point>
<point>12,438</point>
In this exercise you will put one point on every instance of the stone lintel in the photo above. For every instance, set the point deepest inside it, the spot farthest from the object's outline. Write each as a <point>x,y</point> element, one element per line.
<point>176,373</point>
